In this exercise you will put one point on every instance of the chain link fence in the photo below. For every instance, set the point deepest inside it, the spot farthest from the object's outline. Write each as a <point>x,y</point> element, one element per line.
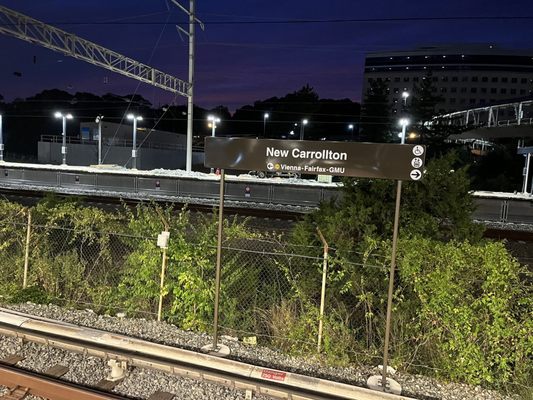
<point>298,299</point>
<point>271,291</point>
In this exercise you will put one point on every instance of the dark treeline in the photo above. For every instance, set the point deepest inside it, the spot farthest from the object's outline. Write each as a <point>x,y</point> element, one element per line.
<point>25,120</point>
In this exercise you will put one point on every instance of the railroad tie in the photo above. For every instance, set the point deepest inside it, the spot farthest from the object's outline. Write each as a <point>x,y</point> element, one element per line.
<point>17,393</point>
<point>57,371</point>
<point>11,359</point>
<point>108,385</point>
<point>161,396</point>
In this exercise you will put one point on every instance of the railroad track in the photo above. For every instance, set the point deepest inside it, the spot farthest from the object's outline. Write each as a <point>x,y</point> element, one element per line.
<point>122,350</point>
<point>22,383</point>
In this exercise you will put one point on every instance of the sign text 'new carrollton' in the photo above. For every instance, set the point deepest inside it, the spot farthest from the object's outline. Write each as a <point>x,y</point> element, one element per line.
<point>365,160</point>
<point>307,154</point>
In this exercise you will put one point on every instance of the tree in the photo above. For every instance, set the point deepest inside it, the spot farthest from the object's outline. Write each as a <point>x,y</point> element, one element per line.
<point>375,114</point>
<point>438,207</point>
<point>423,109</point>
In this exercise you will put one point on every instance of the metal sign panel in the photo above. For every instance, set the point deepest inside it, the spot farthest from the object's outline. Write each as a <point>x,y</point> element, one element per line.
<point>366,160</point>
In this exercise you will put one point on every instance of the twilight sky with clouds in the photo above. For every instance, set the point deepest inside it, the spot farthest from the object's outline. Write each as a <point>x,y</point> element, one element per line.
<point>238,63</point>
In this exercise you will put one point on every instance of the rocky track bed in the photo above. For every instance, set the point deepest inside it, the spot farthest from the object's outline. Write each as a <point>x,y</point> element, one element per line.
<point>142,383</point>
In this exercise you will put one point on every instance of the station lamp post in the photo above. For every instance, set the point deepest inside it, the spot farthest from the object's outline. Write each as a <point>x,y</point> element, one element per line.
<point>265,117</point>
<point>213,121</point>
<point>350,128</point>
<point>64,117</point>
<point>403,122</point>
<point>405,95</point>
<point>98,120</point>
<point>302,128</point>
<point>134,118</point>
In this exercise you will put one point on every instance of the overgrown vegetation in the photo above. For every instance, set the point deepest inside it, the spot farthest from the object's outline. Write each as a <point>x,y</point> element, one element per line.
<point>462,305</point>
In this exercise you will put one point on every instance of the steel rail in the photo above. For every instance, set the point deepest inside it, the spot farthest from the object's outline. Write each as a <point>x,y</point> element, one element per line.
<point>140,353</point>
<point>49,387</point>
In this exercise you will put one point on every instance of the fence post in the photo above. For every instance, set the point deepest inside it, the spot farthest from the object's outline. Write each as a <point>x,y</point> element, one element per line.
<point>27,252</point>
<point>162,242</point>
<point>323,292</point>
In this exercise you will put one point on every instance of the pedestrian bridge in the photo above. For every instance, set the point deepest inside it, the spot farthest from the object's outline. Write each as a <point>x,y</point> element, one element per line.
<point>506,120</point>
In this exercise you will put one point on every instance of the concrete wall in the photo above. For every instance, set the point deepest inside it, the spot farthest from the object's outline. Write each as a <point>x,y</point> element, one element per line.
<point>87,154</point>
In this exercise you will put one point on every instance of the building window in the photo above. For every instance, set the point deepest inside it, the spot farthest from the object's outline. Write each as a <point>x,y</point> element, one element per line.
<point>435,79</point>
<point>482,101</point>
<point>504,80</point>
<point>415,79</point>
<point>453,90</point>
<point>387,79</point>
<point>444,79</point>
<point>523,80</point>
<point>483,90</point>
<point>406,79</point>
<point>472,101</point>
<point>485,79</point>
<point>522,91</point>
<point>513,91</point>
<point>453,100</point>
<point>474,79</point>
<point>462,101</point>
<point>473,90</point>
<point>464,79</point>
<point>463,90</point>
<point>380,80</point>
<point>443,90</point>
<point>455,79</point>
<point>514,80</point>
<point>370,80</point>
<point>493,90</point>
<point>494,79</point>
<point>503,91</point>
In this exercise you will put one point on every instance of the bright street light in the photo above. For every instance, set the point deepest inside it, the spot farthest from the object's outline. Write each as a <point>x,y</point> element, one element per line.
<point>403,122</point>
<point>64,118</point>
<point>213,121</point>
<point>302,128</point>
<point>405,95</point>
<point>98,120</point>
<point>134,118</point>
<point>350,128</point>
<point>265,117</point>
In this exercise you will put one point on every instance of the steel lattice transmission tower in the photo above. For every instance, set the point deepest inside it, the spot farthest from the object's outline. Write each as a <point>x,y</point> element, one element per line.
<point>20,26</point>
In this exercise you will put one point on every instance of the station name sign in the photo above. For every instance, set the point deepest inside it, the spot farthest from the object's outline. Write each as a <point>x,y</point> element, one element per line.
<point>366,160</point>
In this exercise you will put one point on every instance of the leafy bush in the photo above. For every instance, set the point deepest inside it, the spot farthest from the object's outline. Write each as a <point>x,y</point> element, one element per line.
<point>471,317</point>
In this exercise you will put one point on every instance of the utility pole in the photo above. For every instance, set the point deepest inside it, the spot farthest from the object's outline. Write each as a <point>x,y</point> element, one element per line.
<point>190,93</point>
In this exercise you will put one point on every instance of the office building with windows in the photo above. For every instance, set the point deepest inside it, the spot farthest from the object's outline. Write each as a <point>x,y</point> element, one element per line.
<point>464,76</point>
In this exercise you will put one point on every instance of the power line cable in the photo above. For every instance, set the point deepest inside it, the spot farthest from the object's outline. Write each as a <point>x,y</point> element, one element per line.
<point>309,21</point>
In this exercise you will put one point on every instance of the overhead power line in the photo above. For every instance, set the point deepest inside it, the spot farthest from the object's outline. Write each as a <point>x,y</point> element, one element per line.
<point>310,21</point>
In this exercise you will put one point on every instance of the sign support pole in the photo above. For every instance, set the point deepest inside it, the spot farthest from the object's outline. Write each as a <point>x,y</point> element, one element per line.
<point>391,286</point>
<point>219,256</point>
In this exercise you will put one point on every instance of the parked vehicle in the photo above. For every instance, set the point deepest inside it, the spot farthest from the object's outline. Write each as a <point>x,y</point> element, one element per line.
<point>274,174</point>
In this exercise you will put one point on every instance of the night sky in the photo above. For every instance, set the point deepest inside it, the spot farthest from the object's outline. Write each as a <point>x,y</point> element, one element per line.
<point>239,63</point>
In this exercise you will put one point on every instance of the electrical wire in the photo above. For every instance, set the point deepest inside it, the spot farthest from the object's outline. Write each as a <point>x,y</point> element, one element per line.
<point>460,18</point>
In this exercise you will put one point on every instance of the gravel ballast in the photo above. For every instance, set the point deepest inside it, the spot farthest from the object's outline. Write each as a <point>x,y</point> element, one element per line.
<point>140,382</point>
